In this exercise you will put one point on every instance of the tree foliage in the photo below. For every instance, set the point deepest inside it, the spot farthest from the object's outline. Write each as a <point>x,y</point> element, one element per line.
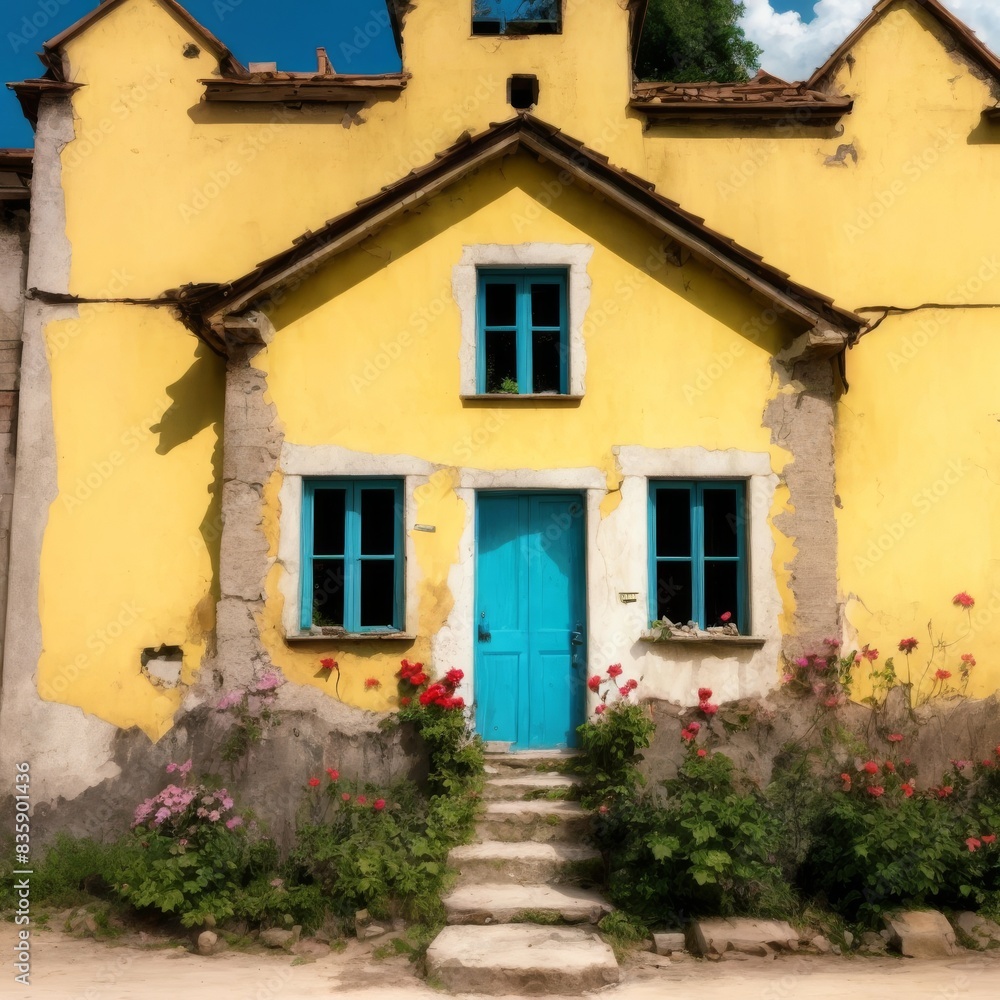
<point>691,40</point>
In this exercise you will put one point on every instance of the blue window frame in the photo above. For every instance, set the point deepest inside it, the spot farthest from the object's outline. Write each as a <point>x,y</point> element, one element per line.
<point>352,554</point>
<point>697,546</point>
<point>522,342</point>
<point>516,17</point>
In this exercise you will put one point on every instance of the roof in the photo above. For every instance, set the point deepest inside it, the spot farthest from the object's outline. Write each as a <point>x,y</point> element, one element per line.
<point>15,174</point>
<point>764,99</point>
<point>206,306</point>
<point>964,36</point>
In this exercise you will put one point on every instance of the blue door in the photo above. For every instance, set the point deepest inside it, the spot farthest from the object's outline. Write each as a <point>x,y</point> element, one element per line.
<point>530,627</point>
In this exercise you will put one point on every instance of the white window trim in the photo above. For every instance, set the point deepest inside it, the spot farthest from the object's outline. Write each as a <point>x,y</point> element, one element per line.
<point>465,285</point>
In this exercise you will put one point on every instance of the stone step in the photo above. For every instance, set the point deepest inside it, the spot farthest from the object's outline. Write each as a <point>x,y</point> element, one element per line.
<point>537,820</point>
<point>539,761</point>
<point>521,959</point>
<point>521,786</point>
<point>503,903</point>
<point>526,863</point>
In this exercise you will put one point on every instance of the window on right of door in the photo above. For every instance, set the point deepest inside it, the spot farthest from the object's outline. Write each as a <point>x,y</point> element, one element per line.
<point>697,546</point>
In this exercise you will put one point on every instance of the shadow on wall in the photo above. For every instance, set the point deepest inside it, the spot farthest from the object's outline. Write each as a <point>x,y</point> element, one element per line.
<point>197,403</point>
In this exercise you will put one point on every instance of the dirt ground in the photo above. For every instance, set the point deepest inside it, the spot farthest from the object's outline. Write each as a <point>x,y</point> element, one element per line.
<point>68,968</point>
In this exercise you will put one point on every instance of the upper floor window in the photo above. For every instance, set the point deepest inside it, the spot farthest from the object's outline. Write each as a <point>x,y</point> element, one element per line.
<point>697,545</point>
<point>522,332</point>
<point>352,555</point>
<point>516,17</point>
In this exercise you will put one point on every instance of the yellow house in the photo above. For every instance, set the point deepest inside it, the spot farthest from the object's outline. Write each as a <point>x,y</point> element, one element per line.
<point>487,366</point>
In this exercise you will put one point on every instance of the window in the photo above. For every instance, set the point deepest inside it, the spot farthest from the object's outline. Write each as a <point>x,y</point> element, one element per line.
<point>352,555</point>
<point>522,341</point>
<point>697,544</point>
<point>516,17</point>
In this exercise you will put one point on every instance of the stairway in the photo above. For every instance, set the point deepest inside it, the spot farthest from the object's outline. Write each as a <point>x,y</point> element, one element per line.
<point>521,887</point>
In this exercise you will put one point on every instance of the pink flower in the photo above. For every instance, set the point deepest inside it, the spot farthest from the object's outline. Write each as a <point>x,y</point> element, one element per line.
<point>372,682</point>
<point>601,709</point>
<point>969,659</point>
<point>236,821</point>
<point>944,791</point>
<point>378,805</point>
<point>214,815</point>
<point>346,796</point>
<point>876,790</point>
<point>907,788</point>
<point>895,737</point>
<point>871,655</point>
<point>890,767</point>
<point>594,683</point>
<point>963,600</point>
<point>624,690</point>
<point>973,843</point>
<point>314,782</point>
<point>702,753</point>
<point>615,670</point>
<point>708,709</point>
<point>268,681</point>
<point>228,700</point>
<point>227,803</point>
<point>725,616</point>
<point>832,643</point>
<point>802,661</point>
<point>788,678</point>
<point>163,813</point>
<point>832,702</point>
<point>908,645</point>
<point>704,694</point>
<point>362,800</point>
<point>603,810</point>
<point>942,675</point>
<point>183,842</point>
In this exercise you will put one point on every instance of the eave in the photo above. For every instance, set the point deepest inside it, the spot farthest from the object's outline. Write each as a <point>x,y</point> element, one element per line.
<point>317,90</point>
<point>15,175</point>
<point>772,114</point>
<point>30,92</point>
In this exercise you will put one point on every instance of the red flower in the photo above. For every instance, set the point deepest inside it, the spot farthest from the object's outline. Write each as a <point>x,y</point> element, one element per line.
<point>362,800</point>
<point>987,762</point>
<point>944,791</point>
<point>963,600</point>
<point>725,616</point>
<point>372,682</point>
<point>704,694</point>
<point>832,701</point>
<point>328,664</point>
<point>687,736</point>
<point>702,753</point>
<point>378,805</point>
<point>454,677</point>
<point>346,796</point>
<point>708,709</point>
<point>314,782</point>
<point>890,767</point>
<point>601,709</point>
<point>624,690</point>
<point>615,670</point>
<point>846,778</point>
<point>895,737</point>
<point>942,675</point>
<point>333,772</point>
<point>632,684</point>
<point>908,645</point>
<point>876,790</point>
<point>968,659</point>
<point>988,838</point>
<point>695,727</point>
<point>405,701</point>
<point>603,810</point>
<point>973,843</point>
<point>907,788</point>
<point>594,683</point>
<point>871,655</point>
<point>433,695</point>
<point>417,680</point>
<point>871,767</point>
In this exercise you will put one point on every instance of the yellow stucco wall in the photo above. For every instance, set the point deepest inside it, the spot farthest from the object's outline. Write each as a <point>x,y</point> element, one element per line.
<point>162,189</point>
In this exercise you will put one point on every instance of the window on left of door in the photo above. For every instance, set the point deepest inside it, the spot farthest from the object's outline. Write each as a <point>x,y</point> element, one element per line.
<point>352,555</point>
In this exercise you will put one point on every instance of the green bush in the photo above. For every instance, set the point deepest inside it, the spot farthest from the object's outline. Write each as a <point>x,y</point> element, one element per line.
<point>709,849</point>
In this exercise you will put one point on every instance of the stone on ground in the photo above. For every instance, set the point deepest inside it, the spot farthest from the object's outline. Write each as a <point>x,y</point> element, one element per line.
<point>982,930</point>
<point>668,943</point>
<point>921,934</point>
<point>716,936</point>
<point>521,959</point>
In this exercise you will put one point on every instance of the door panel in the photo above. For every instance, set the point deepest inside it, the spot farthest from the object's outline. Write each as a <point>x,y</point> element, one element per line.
<point>530,600</point>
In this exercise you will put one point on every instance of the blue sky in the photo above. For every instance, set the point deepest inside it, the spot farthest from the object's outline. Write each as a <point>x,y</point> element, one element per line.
<point>796,35</point>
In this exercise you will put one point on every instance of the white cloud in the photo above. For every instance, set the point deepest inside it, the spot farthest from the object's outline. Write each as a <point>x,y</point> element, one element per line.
<point>792,49</point>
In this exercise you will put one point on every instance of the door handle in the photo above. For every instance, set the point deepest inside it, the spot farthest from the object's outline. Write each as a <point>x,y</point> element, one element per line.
<point>576,636</point>
<point>484,629</point>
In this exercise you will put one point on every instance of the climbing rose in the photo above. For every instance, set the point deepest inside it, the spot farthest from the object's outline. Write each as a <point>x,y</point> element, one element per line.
<point>876,790</point>
<point>314,782</point>
<point>600,710</point>
<point>943,675</point>
<point>907,789</point>
<point>372,682</point>
<point>333,772</point>
<point>378,805</point>
<point>988,838</point>
<point>963,600</point>
<point>704,694</point>
<point>908,645</point>
<point>871,767</point>
<point>328,664</point>
<point>725,616</point>
<point>615,670</point>
<point>973,843</point>
<point>595,682</point>
<point>702,753</point>
<point>895,737</point>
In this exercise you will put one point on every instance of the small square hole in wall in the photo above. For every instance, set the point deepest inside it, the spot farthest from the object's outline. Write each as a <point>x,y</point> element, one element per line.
<point>522,91</point>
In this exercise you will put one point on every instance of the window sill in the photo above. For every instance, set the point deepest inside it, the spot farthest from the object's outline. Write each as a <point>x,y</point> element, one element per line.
<point>752,641</point>
<point>333,635</point>
<point>492,398</point>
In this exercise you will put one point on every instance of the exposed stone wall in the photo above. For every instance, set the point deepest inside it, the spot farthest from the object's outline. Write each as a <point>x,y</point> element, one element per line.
<point>801,420</point>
